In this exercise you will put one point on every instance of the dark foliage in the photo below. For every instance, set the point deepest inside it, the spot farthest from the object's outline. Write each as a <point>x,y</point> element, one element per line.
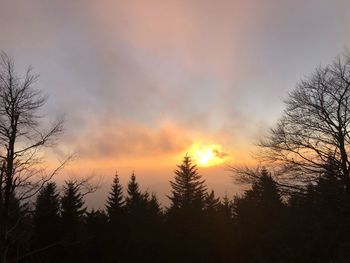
<point>258,219</point>
<point>115,201</point>
<point>47,222</point>
<point>72,212</point>
<point>261,225</point>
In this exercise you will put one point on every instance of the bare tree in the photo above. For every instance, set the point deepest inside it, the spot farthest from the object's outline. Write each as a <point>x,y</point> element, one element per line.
<point>21,142</point>
<point>314,127</point>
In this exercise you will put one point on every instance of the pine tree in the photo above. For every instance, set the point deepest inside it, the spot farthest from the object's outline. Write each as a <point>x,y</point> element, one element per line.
<point>134,197</point>
<point>259,221</point>
<point>96,227</point>
<point>72,209</point>
<point>115,201</point>
<point>324,212</point>
<point>19,216</point>
<point>226,207</point>
<point>154,206</point>
<point>186,213</point>
<point>211,202</point>
<point>216,231</point>
<point>188,189</point>
<point>265,192</point>
<point>140,223</point>
<point>263,199</point>
<point>46,215</point>
<point>150,207</point>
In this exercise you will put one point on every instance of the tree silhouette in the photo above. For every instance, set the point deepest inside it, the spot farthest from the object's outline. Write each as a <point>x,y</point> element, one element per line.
<point>211,202</point>
<point>72,210</point>
<point>216,231</point>
<point>97,245</point>
<point>134,197</point>
<point>47,224</point>
<point>258,217</point>
<point>188,189</point>
<point>185,214</point>
<point>154,208</point>
<point>115,200</point>
<point>21,141</point>
<point>226,207</point>
<point>315,126</point>
<point>321,212</point>
<point>118,227</point>
<point>143,223</point>
<point>46,215</point>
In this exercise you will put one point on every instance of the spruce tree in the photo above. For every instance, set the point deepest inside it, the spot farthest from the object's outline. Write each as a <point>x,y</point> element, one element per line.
<point>185,215</point>
<point>259,221</point>
<point>72,209</point>
<point>134,197</point>
<point>216,230</point>
<point>263,200</point>
<point>188,189</point>
<point>97,245</point>
<point>212,203</point>
<point>324,212</point>
<point>46,215</point>
<point>115,200</point>
<point>226,207</point>
<point>154,206</point>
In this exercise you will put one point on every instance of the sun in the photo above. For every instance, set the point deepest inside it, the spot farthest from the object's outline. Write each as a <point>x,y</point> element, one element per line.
<point>207,155</point>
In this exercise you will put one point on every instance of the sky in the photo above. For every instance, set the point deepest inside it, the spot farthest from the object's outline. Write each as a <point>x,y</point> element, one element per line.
<point>141,83</point>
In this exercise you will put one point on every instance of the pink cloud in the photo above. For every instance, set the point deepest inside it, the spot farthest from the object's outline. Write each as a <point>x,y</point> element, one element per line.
<point>110,139</point>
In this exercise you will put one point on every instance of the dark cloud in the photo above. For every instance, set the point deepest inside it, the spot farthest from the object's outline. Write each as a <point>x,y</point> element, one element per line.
<point>220,154</point>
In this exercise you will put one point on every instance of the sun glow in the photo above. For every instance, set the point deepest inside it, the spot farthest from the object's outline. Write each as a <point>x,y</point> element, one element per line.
<point>206,155</point>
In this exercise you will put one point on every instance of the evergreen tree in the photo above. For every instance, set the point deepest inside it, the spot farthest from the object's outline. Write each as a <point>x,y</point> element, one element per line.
<point>263,198</point>
<point>211,202</point>
<point>97,245</point>
<point>188,189</point>
<point>185,215</point>
<point>118,223</point>
<point>134,197</point>
<point>46,215</point>
<point>115,201</point>
<point>224,231</point>
<point>226,208</point>
<point>143,224</point>
<point>19,216</point>
<point>151,209</point>
<point>151,232</point>
<point>322,212</point>
<point>258,217</point>
<point>154,206</point>
<point>72,209</point>
<point>214,230</point>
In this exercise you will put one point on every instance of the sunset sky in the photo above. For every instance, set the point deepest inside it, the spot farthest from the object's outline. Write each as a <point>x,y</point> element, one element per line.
<point>143,82</point>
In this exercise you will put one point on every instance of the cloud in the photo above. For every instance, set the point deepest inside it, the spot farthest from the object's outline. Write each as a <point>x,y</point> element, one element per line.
<point>220,153</point>
<point>110,139</point>
<point>204,66</point>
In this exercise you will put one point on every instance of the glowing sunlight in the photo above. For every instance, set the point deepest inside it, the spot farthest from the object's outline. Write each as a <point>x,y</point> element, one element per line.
<point>207,155</point>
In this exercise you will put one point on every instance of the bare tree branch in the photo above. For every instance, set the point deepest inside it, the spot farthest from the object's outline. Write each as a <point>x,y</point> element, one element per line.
<point>314,126</point>
<point>21,142</point>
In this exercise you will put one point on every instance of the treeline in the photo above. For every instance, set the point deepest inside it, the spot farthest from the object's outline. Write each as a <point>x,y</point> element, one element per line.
<point>261,225</point>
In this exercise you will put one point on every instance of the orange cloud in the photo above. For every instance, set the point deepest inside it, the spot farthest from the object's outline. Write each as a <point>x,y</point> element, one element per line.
<point>111,139</point>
